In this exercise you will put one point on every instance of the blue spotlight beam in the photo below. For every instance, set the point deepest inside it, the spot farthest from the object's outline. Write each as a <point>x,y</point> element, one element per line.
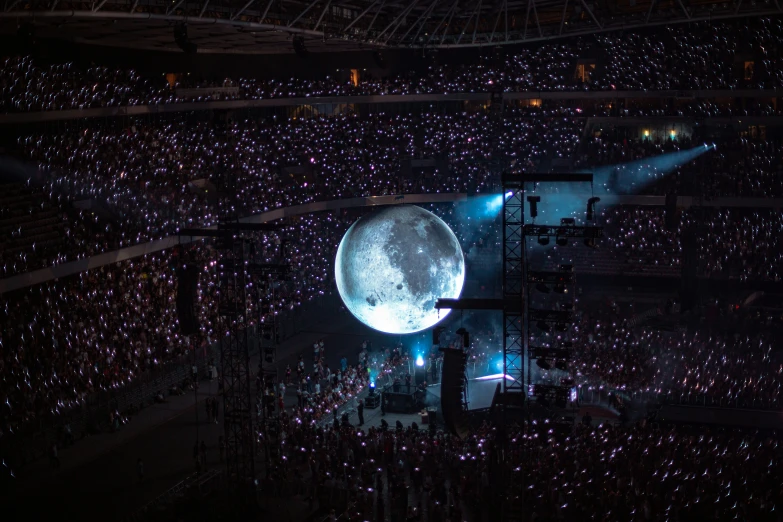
<point>641,173</point>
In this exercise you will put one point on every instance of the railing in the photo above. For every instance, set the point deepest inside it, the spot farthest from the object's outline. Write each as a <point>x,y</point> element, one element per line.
<point>386,99</point>
<point>201,481</point>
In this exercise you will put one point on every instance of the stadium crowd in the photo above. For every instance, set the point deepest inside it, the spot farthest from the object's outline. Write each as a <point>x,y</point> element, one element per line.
<point>155,179</point>
<point>366,157</point>
<point>641,472</point>
<point>730,361</point>
<point>66,339</point>
<point>699,56</point>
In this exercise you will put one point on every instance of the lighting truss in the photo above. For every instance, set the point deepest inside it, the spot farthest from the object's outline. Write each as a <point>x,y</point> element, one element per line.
<point>542,352</point>
<point>550,278</point>
<point>513,286</point>
<point>569,232</point>
<point>551,316</point>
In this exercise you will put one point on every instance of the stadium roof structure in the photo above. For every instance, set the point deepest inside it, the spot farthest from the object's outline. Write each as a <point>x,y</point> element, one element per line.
<point>272,26</point>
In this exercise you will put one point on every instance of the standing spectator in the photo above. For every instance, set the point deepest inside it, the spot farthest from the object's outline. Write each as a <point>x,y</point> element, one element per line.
<point>360,412</point>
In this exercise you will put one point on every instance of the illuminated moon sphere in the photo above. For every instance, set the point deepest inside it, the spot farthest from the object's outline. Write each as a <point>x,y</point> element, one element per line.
<point>392,265</point>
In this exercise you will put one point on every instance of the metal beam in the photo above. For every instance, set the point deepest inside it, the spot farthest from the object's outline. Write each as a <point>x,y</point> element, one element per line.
<point>688,15</point>
<point>135,4</point>
<point>506,22</point>
<point>399,19</point>
<point>266,10</point>
<point>519,179</point>
<point>54,4</point>
<point>204,8</point>
<point>421,27</point>
<point>437,28</point>
<point>236,15</point>
<point>367,32</point>
<point>174,8</point>
<point>649,11</point>
<point>562,19</point>
<point>567,231</point>
<point>303,13</point>
<point>465,27</point>
<point>98,7</point>
<point>527,20</point>
<point>497,21</point>
<point>360,15</point>
<point>478,304</point>
<point>13,4</point>
<point>419,21</point>
<point>739,4</point>
<point>446,27</point>
<point>320,18</point>
<point>475,25</point>
<point>590,12</point>
<point>535,14</point>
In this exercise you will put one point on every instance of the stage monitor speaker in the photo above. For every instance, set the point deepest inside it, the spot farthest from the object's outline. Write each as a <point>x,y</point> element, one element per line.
<point>452,387</point>
<point>187,289</point>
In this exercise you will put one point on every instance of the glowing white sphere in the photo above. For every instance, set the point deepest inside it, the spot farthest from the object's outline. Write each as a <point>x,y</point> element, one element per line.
<point>392,265</point>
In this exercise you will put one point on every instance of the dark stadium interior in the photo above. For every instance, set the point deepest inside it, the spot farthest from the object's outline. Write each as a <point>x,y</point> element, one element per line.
<point>176,179</point>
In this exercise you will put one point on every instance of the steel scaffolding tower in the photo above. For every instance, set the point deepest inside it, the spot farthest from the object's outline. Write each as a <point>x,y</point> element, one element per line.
<point>513,284</point>
<point>237,378</point>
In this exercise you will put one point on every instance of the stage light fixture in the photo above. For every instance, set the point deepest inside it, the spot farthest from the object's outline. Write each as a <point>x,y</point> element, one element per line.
<point>541,287</point>
<point>372,388</point>
<point>533,201</point>
<point>419,361</point>
<point>543,364</point>
<point>543,240</point>
<point>561,241</point>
